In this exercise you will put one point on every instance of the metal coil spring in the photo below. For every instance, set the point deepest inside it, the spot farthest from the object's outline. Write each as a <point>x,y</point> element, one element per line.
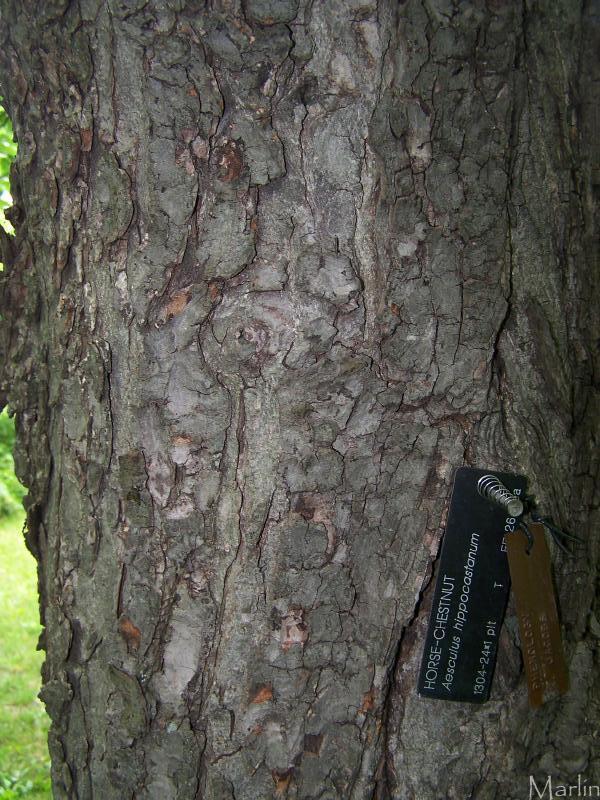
<point>496,492</point>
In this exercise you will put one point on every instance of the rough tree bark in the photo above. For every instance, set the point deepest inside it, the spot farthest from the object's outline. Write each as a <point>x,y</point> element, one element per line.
<point>280,267</point>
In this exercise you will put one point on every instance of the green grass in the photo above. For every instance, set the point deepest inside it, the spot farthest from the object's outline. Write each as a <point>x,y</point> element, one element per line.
<point>24,768</point>
<point>24,762</point>
<point>11,491</point>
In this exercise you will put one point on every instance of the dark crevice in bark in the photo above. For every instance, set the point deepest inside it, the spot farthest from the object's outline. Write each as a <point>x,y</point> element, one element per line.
<point>519,79</point>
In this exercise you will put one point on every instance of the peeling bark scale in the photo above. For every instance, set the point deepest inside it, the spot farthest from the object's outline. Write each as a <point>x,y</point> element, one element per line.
<point>280,267</point>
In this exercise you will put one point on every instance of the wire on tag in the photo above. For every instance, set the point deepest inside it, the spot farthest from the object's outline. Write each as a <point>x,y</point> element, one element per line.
<point>490,487</point>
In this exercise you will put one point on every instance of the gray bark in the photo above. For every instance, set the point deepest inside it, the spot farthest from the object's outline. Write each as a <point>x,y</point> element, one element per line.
<point>280,267</point>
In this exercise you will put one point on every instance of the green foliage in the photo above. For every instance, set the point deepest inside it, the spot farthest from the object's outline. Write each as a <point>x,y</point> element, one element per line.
<point>14,786</point>
<point>24,768</point>
<point>8,150</point>
<point>11,490</point>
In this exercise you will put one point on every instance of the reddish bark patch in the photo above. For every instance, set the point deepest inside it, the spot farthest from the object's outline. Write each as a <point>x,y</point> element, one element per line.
<point>282,781</point>
<point>368,701</point>
<point>131,633</point>
<point>312,743</point>
<point>176,304</point>
<point>187,134</point>
<point>230,161</point>
<point>180,441</point>
<point>200,148</point>
<point>318,508</point>
<point>184,159</point>
<point>51,188</point>
<point>293,629</point>
<point>214,291</point>
<point>305,506</point>
<point>87,135</point>
<point>262,694</point>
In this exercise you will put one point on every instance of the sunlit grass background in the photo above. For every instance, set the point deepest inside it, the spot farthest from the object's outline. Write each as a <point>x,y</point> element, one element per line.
<point>24,762</point>
<point>24,766</point>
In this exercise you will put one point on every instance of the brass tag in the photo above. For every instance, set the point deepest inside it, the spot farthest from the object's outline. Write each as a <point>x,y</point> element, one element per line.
<point>531,576</point>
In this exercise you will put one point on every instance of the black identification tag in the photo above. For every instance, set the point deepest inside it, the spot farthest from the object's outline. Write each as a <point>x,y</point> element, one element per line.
<point>471,593</point>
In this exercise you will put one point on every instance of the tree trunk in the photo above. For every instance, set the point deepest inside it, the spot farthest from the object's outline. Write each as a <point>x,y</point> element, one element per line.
<point>280,268</point>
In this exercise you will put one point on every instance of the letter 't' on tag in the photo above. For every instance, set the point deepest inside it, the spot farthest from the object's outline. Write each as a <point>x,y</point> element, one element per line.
<point>471,592</point>
<point>545,666</point>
